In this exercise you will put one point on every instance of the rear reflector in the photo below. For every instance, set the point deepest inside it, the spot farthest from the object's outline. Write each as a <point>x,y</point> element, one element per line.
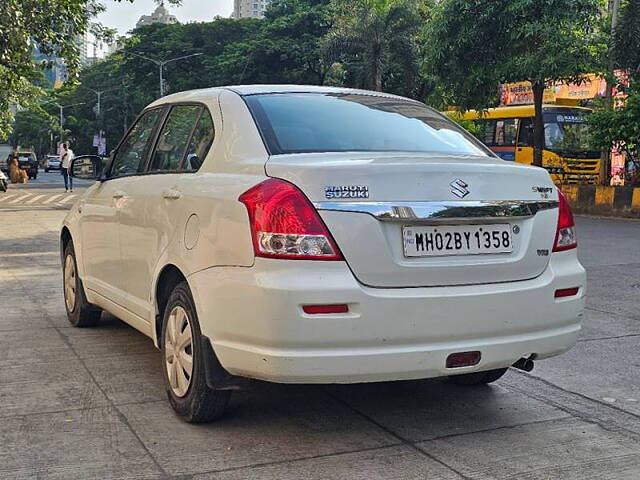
<point>567,292</point>
<point>463,359</point>
<point>324,309</point>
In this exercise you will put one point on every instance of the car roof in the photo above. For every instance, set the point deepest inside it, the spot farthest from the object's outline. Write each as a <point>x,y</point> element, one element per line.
<point>246,90</point>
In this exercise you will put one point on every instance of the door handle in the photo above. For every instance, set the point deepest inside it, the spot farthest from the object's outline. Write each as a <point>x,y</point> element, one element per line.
<point>118,195</point>
<point>171,194</point>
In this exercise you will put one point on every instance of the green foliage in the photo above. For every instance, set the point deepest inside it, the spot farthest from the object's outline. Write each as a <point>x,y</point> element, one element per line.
<point>475,45</point>
<point>28,23</point>
<point>53,27</point>
<point>376,41</point>
<point>620,129</point>
<point>33,129</point>
<point>626,38</point>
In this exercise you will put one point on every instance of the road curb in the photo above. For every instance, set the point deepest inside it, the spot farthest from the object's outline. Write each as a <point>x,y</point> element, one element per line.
<point>604,201</point>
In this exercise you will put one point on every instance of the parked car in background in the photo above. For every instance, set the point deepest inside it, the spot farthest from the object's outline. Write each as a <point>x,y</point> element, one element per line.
<point>5,153</point>
<point>319,235</point>
<point>52,162</point>
<point>28,161</point>
<point>4,181</point>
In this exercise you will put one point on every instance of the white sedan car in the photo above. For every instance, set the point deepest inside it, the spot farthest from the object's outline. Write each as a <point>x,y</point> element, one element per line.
<point>319,235</point>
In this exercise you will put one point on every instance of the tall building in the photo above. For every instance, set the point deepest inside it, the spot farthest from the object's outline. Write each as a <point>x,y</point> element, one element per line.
<point>160,15</point>
<point>83,47</point>
<point>249,8</point>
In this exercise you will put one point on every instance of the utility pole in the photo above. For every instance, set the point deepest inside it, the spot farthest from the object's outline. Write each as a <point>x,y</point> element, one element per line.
<point>161,64</point>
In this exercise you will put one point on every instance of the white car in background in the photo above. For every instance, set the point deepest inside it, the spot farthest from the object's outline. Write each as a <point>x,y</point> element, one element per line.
<point>52,162</point>
<point>4,182</point>
<point>319,235</point>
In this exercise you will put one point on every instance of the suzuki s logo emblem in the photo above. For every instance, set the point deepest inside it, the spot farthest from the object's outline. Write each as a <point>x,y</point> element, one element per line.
<point>459,188</point>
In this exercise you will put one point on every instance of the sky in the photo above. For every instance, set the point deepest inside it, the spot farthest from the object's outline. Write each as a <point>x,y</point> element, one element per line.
<point>123,15</point>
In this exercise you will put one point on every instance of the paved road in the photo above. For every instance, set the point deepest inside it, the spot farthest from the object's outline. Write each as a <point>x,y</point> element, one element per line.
<point>90,404</point>
<point>46,191</point>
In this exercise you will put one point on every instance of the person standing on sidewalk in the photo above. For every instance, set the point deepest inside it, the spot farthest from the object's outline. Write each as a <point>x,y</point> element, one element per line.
<point>65,167</point>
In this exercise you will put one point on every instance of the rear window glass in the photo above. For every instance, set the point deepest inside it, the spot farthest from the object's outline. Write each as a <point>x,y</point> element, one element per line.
<point>311,122</point>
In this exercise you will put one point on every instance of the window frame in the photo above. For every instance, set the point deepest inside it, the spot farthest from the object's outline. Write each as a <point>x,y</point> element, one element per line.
<point>147,168</point>
<point>154,138</point>
<point>168,106</point>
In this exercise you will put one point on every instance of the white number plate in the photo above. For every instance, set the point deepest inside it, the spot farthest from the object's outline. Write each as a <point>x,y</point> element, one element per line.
<point>456,240</point>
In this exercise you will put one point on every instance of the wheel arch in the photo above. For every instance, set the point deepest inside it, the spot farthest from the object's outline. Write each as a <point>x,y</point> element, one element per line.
<point>169,277</point>
<point>65,238</point>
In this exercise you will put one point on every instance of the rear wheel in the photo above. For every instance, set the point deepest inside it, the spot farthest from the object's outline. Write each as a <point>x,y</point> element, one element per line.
<point>477,378</point>
<point>80,312</point>
<point>183,362</point>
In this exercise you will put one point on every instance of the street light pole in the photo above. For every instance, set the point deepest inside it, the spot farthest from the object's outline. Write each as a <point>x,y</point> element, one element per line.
<point>62,107</point>
<point>99,95</point>
<point>161,64</point>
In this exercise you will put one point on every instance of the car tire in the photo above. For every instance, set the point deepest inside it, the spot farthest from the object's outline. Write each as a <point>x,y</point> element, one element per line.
<point>80,312</point>
<point>194,402</point>
<point>46,170</point>
<point>477,378</point>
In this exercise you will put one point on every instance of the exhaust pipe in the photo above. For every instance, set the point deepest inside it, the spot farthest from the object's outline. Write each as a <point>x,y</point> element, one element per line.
<point>524,363</point>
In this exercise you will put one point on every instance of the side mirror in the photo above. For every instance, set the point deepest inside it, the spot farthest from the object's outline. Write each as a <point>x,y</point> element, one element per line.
<point>87,167</point>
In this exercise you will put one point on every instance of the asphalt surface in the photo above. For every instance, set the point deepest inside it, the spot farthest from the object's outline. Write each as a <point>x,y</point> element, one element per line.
<point>89,403</point>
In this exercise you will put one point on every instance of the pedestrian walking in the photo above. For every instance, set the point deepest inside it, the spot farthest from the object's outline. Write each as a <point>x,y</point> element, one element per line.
<point>67,157</point>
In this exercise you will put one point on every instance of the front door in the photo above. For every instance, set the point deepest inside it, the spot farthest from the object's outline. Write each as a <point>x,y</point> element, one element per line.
<point>105,271</point>
<point>101,240</point>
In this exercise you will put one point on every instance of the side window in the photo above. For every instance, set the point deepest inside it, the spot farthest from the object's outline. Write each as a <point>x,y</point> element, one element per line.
<point>506,131</point>
<point>486,131</point>
<point>131,155</point>
<point>174,137</point>
<point>525,136</point>
<point>200,142</point>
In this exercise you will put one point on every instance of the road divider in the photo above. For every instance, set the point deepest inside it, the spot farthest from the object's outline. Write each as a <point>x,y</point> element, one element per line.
<point>601,200</point>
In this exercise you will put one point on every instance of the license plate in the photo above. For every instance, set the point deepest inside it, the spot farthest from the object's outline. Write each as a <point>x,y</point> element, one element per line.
<point>456,240</point>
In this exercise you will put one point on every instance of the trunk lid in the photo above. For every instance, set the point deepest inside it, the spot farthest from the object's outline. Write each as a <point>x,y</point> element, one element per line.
<point>389,197</point>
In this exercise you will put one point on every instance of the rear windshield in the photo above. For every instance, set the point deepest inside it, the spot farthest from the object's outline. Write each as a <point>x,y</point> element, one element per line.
<point>311,122</point>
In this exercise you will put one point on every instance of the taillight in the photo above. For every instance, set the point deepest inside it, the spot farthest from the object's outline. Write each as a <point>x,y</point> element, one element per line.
<point>566,232</point>
<point>284,223</point>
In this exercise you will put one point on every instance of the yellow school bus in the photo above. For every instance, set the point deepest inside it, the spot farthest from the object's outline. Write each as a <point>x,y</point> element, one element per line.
<point>508,131</point>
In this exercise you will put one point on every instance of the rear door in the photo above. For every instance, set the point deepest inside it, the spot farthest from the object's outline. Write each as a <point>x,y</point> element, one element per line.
<point>156,213</point>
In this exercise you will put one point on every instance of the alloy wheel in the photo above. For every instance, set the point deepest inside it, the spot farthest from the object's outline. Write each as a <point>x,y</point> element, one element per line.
<point>178,351</point>
<point>70,282</point>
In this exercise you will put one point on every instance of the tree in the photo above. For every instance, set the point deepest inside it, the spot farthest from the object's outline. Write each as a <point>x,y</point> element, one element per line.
<point>369,36</point>
<point>620,127</point>
<point>53,27</point>
<point>626,38</point>
<point>476,45</point>
<point>33,129</point>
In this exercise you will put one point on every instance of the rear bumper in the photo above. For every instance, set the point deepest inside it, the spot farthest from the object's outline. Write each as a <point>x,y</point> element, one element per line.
<point>255,321</point>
